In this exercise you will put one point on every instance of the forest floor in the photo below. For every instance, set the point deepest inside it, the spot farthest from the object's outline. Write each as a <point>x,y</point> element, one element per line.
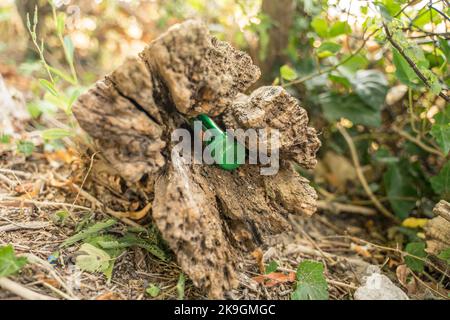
<point>44,200</point>
<point>39,188</point>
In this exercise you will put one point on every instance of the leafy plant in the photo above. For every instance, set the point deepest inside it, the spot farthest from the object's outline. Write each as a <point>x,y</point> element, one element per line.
<point>90,231</point>
<point>9,262</point>
<point>271,267</point>
<point>92,259</point>
<point>311,283</point>
<point>25,147</point>
<point>153,290</point>
<point>416,249</point>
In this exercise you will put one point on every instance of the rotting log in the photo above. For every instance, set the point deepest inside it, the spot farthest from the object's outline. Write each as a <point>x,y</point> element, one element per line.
<point>209,217</point>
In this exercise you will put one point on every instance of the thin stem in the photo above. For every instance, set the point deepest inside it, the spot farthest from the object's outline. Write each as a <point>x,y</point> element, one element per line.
<point>361,176</point>
<point>332,68</point>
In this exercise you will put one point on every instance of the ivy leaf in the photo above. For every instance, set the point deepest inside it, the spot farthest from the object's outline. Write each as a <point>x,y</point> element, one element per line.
<point>328,49</point>
<point>311,283</point>
<point>441,182</point>
<point>441,129</point>
<point>288,73</point>
<point>320,26</point>
<point>351,107</point>
<point>371,86</point>
<point>417,249</point>
<point>92,259</point>
<point>9,263</point>
<point>404,73</point>
<point>400,189</point>
<point>445,255</point>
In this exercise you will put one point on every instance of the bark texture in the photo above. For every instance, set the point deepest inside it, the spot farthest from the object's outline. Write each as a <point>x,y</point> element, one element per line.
<point>437,230</point>
<point>209,217</point>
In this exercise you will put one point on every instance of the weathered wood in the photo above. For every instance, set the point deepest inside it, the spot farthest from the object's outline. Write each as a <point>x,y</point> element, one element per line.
<point>209,217</point>
<point>437,230</point>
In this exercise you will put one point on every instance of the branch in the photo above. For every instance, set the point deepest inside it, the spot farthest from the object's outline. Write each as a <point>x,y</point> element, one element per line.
<point>22,291</point>
<point>411,63</point>
<point>361,177</point>
<point>329,69</point>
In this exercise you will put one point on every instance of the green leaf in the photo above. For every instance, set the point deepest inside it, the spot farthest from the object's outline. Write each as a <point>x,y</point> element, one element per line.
<point>351,107</point>
<point>311,283</point>
<point>5,138</point>
<point>371,86</point>
<point>288,73</point>
<point>92,230</point>
<point>320,26</point>
<point>62,74</point>
<point>153,290</point>
<point>404,73</point>
<point>426,15</point>
<point>9,263</point>
<point>441,182</point>
<point>271,267</point>
<point>180,286</point>
<point>338,28</point>
<point>400,189</point>
<point>416,249</point>
<point>441,129</point>
<point>68,49</point>
<point>49,87</point>
<point>60,23</point>
<point>445,255</point>
<point>60,217</point>
<point>56,133</point>
<point>33,109</point>
<point>328,49</point>
<point>130,240</point>
<point>92,259</point>
<point>25,147</point>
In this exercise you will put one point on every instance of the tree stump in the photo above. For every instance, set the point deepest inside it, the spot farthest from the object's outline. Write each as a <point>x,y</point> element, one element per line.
<point>208,216</point>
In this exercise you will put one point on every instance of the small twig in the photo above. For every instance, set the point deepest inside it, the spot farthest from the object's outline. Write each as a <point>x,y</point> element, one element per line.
<point>7,180</point>
<point>427,286</point>
<point>22,291</point>
<point>410,62</point>
<point>17,173</point>
<point>31,225</point>
<point>21,201</point>
<point>361,176</point>
<point>337,207</point>
<point>47,266</point>
<point>84,179</point>
<point>334,67</point>
<point>418,142</point>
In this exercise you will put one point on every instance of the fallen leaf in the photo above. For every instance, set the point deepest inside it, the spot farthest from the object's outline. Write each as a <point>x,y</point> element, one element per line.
<point>414,222</point>
<point>274,278</point>
<point>361,250</point>
<point>258,255</point>
<point>108,296</point>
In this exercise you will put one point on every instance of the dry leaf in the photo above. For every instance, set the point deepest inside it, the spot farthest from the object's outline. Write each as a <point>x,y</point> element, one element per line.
<point>274,278</point>
<point>361,250</point>
<point>258,255</point>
